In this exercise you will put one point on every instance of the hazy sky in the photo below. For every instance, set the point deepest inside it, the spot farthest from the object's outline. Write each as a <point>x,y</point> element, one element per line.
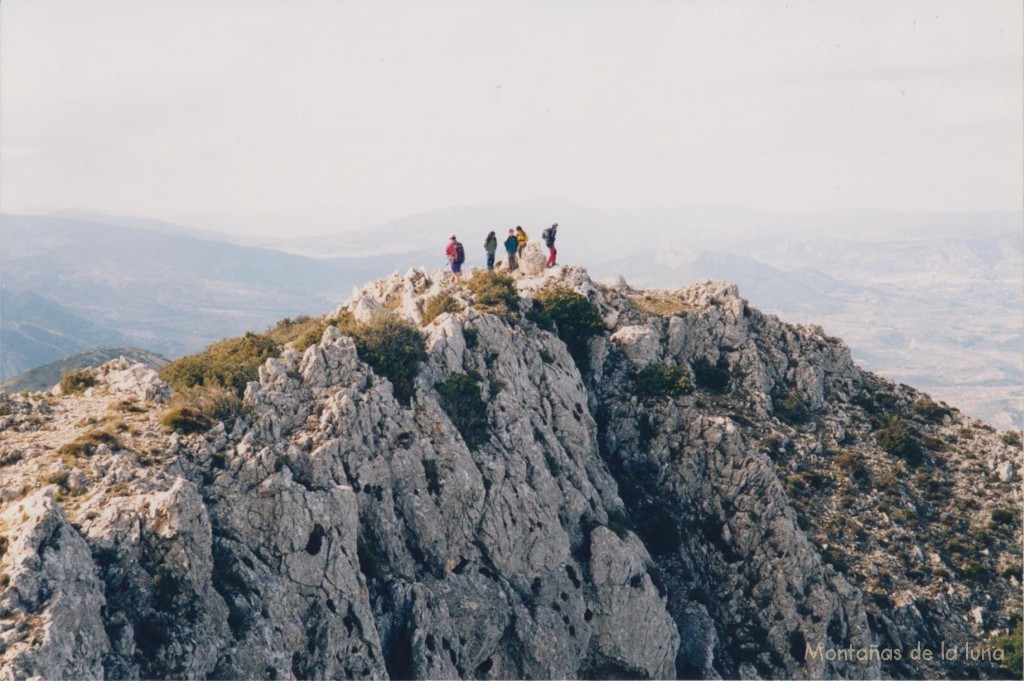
<point>300,116</point>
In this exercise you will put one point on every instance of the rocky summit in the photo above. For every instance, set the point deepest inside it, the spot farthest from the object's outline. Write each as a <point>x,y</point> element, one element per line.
<point>686,488</point>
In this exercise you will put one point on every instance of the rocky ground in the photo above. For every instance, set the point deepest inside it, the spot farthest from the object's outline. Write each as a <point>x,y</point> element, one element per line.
<point>594,532</point>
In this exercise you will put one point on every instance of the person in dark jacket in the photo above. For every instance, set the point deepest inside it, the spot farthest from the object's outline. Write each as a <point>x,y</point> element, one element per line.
<point>490,246</point>
<point>549,240</point>
<point>511,247</point>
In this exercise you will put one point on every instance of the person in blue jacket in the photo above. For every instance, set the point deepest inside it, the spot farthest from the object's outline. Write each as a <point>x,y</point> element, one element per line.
<point>511,247</point>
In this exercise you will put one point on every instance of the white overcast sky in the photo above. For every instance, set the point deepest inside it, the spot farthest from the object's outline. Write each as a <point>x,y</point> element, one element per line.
<point>303,116</point>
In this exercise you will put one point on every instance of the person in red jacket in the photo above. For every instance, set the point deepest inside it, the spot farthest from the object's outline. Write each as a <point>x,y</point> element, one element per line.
<point>456,256</point>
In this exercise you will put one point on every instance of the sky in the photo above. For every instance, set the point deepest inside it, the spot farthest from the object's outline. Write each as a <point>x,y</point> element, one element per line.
<point>291,117</point>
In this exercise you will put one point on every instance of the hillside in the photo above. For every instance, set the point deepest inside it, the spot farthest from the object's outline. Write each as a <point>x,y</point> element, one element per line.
<point>49,375</point>
<point>69,285</point>
<point>579,480</point>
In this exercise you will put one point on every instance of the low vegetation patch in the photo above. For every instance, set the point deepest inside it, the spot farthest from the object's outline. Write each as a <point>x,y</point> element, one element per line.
<point>713,377</point>
<point>930,410</point>
<point>197,409</point>
<point>230,363</point>
<point>439,305</point>
<point>394,349</point>
<point>897,440</point>
<point>1011,438</point>
<point>77,381</point>
<point>661,304</point>
<point>303,332</point>
<point>575,318</point>
<point>494,292</point>
<point>790,407</point>
<point>1004,516</point>
<point>87,444</point>
<point>619,523</point>
<point>1012,645</point>
<point>853,465</point>
<point>461,400</point>
<point>370,562</point>
<point>656,381</point>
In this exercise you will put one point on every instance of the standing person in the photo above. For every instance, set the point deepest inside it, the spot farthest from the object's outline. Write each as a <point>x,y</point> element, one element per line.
<point>456,256</point>
<point>490,246</point>
<point>523,238</point>
<point>549,239</point>
<point>511,246</point>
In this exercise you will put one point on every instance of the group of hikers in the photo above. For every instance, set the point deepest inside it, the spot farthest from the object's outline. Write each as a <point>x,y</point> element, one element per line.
<point>514,245</point>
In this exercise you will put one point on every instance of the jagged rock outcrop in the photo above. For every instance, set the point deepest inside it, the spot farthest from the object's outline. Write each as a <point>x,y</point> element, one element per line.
<point>599,529</point>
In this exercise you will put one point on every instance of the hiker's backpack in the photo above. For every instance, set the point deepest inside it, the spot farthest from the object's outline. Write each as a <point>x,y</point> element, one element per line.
<point>546,234</point>
<point>460,254</point>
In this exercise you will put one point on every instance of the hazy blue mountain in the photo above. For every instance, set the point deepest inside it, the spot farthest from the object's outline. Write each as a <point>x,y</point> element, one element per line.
<point>72,284</point>
<point>35,330</point>
<point>773,289</point>
<point>153,225</point>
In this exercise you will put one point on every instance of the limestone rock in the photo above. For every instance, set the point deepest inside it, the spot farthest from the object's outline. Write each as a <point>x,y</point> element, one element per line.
<point>332,531</point>
<point>52,601</point>
<point>533,259</point>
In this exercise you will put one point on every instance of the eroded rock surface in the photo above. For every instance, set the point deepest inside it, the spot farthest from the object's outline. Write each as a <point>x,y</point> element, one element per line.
<point>597,531</point>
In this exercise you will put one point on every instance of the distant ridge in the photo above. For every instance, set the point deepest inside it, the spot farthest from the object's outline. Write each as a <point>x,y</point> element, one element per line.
<point>49,375</point>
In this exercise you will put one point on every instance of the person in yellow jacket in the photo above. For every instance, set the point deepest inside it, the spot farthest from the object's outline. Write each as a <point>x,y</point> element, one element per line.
<point>522,238</point>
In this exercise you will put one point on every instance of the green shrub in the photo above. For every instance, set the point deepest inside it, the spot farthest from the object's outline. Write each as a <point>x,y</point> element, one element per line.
<point>898,440</point>
<point>433,479</point>
<point>76,381</point>
<point>930,410</point>
<point>1012,645</point>
<point>472,337</point>
<point>973,570</point>
<point>836,560</point>
<point>231,363</point>
<point>461,400</point>
<point>864,400</point>
<point>789,407</point>
<point>535,315</point>
<point>439,305</point>
<point>197,409</point>
<point>710,376</point>
<point>854,466</point>
<point>1011,438</point>
<point>655,381</point>
<point>494,292</point>
<point>618,522</point>
<point>370,562</point>
<point>302,332</point>
<point>394,349</point>
<point>576,320</point>
<point>1004,516</point>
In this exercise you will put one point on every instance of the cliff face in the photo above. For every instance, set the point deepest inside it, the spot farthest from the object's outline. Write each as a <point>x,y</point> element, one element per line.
<point>596,530</point>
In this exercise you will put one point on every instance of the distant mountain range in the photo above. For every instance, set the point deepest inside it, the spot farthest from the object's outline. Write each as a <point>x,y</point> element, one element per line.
<point>931,299</point>
<point>70,284</point>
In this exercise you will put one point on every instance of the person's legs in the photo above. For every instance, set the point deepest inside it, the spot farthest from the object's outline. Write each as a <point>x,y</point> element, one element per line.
<point>551,256</point>
<point>490,261</point>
